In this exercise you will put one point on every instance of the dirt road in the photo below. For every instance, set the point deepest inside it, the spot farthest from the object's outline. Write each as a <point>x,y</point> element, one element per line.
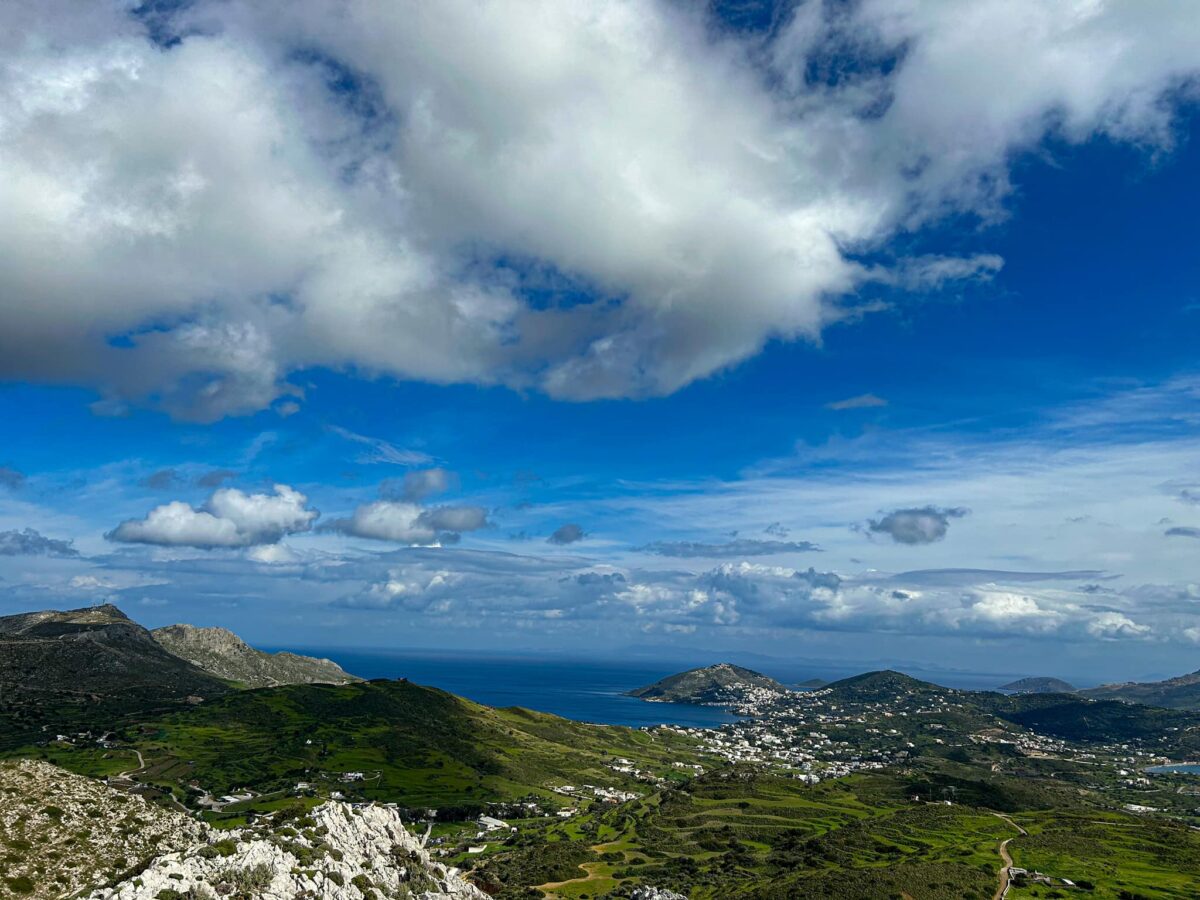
<point>1005,859</point>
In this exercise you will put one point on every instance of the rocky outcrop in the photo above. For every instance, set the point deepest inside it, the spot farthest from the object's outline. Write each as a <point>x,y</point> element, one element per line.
<point>63,835</point>
<point>60,833</point>
<point>222,653</point>
<point>646,892</point>
<point>335,852</point>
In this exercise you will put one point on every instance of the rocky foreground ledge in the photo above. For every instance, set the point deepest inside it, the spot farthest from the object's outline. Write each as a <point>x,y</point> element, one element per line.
<point>337,852</point>
<point>65,835</point>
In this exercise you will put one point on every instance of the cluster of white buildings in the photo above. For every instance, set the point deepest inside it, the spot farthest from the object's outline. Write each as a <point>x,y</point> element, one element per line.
<point>598,792</point>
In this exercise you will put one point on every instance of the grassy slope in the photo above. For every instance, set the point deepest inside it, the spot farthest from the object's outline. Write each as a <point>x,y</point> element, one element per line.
<point>862,837</point>
<point>418,746</point>
<point>767,836</point>
<point>1113,852</point>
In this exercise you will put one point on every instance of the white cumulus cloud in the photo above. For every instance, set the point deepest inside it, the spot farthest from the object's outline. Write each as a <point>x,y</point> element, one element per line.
<point>230,518</point>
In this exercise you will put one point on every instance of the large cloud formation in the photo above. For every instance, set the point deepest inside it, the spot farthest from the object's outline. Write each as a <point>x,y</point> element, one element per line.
<point>230,518</point>
<point>202,198</point>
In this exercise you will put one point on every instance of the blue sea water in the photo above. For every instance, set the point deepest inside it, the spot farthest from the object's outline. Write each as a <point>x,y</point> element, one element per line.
<point>1176,769</point>
<point>584,690</point>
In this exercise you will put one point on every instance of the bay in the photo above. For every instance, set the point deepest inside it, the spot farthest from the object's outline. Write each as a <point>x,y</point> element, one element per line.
<point>586,690</point>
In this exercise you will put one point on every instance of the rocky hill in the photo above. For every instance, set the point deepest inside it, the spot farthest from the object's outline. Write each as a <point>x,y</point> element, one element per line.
<point>720,685</point>
<point>67,835</point>
<point>222,653</point>
<point>1038,686</point>
<point>61,833</point>
<point>336,851</point>
<point>1182,692</point>
<point>61,670</point>
<point>884,685</point>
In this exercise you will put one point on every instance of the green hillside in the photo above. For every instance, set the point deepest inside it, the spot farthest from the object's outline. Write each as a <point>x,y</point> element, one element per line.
<point>87,668</point>
<point>417,746</point>
<point>746,833</point>
<point>1182,692</point>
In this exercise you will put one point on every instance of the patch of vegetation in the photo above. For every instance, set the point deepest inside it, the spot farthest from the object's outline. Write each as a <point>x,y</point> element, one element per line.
<point>511,874</point>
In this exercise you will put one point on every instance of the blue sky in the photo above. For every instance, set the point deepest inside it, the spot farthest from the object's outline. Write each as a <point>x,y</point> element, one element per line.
<point>637,330</point>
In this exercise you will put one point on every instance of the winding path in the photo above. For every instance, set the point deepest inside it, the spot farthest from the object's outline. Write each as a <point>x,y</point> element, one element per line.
<point>1005,859</point>
<point>549,887</point>
<point>141,764</point>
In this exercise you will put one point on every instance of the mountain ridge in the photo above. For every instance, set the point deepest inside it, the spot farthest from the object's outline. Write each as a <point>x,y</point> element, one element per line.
<point>1180,692</point>
<point>222,653</point>
<point>59,668</point>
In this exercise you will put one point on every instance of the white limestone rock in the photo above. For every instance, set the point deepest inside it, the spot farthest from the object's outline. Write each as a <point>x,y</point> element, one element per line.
<point>338,852</point>
<point>645,892</point>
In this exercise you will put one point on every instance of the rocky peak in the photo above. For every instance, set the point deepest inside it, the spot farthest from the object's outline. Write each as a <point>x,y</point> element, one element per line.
<point>65,620</point>
<point>222,653</point>
<point>216,639</point>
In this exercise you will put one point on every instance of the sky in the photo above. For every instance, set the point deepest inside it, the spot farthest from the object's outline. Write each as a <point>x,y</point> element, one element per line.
<point>844,331</point>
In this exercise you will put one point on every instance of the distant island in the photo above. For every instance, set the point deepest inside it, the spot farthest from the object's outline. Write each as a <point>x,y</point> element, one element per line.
<point>723,684</point>
<point>1038,686</point>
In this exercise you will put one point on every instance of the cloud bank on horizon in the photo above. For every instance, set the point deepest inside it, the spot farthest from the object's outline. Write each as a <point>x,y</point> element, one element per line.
<point>205,198</point>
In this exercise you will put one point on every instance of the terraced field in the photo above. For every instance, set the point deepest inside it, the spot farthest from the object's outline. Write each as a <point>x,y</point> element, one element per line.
<point>752,835</point>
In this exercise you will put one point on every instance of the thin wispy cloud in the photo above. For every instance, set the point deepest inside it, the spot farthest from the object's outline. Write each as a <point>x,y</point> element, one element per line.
<point>382,451</point>
<point>729,549</point>
<point>862,401</point>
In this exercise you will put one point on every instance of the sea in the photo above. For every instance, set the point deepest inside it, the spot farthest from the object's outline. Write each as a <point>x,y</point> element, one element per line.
<point>1176,769</point>
<point>592,689</point>
<point>580,689</point>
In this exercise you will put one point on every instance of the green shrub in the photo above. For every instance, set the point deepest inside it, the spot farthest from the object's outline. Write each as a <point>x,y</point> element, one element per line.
<point>21,884</point>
